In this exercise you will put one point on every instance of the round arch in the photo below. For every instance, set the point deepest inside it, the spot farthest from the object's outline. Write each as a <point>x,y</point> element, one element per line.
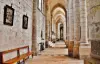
<point>60,16</point>
<point>58,5</point>
<point>62,20</point>
<point>58,10</point>
<point>53,9</point>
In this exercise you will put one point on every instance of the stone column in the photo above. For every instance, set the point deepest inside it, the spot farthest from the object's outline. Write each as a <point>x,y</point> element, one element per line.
<point>46,21</point>
<point>76,11</point>
<point>71,28</point>
<point>51,27</point>
<point>34,49</point>
<point>48,30</point>
<point>76,15</point>
<point>71,21</point>
<point>56,31</point>
<point>83,21</point>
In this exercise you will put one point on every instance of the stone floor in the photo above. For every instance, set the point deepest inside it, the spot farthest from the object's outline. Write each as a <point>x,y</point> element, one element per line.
<point>55,55</point>
<point>59,49</point>
<point>54,60</point>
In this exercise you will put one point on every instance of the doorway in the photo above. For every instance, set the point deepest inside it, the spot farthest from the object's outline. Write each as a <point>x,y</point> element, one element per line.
<point>61,31</point>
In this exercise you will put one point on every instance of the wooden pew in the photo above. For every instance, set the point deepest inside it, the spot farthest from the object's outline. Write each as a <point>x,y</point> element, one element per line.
<point>17,58</point>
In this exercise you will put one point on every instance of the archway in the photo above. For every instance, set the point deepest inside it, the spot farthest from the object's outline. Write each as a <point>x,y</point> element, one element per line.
<point>61,31</point>
<point>59,11</point>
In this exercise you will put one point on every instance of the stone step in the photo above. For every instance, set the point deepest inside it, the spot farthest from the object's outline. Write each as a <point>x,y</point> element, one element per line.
<point>91,61</point>
<point>51,55</point>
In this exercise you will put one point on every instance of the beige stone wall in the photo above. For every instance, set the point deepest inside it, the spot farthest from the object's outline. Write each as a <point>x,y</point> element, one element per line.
<point>15,36</point>
<point>40,26</point>
<point>93,18</point>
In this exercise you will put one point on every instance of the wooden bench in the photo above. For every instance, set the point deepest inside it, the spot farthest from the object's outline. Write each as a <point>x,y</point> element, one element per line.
<point>18,57</point>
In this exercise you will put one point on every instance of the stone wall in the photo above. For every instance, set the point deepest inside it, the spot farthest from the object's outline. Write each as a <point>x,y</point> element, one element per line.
<point>40,26</point>
<point>94,26</point>
<point>93,18</point>
<point>15,36</point>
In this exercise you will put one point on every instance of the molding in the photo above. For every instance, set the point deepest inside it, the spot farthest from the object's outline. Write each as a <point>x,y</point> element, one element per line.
<point>94,39</point>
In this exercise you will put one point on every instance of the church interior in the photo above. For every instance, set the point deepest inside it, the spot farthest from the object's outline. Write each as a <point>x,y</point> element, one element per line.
<point>49,32</point>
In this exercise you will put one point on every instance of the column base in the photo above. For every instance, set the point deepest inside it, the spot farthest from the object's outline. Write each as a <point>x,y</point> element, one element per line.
<point>70,48</point>
<point>84,50</point>
<point>76,50</point>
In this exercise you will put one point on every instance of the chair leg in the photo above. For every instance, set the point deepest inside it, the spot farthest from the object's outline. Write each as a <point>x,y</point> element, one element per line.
<point>18,62</point>
<point>32,55</point>
<point>23,61</point>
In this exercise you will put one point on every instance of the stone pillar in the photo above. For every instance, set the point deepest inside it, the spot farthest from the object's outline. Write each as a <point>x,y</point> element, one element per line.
<point>71,21</point>
<point>83,21</point>
<point>46,21</point>
<point>71,29</point>
<point>51,26</point>
<point>76,11</point>
<point>34,49</point>
<point>48,30</point>
<point>56,31</point>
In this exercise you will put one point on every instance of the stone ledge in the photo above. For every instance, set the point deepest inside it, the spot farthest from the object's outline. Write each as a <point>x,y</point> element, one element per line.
<point>85,44</point>
<point>91,60</point>
<point>95,56</point>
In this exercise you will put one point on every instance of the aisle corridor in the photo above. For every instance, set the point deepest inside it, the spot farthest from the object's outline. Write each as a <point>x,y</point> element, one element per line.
<point>55,55</point>
<point>28,26</point>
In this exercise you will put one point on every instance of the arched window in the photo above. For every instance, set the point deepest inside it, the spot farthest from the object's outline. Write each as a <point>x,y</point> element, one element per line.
<point>40,5</point>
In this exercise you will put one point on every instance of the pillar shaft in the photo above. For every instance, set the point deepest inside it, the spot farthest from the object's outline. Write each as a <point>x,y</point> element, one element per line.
<point>34,29</point>
<point>71,21</point>
<point>76,11</point>
<point>83,21</point>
